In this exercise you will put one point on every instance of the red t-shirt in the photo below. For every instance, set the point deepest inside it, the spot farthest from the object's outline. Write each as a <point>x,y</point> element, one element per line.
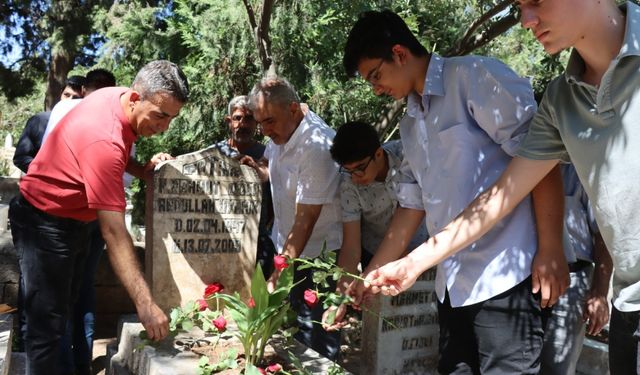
<point>79,169</point>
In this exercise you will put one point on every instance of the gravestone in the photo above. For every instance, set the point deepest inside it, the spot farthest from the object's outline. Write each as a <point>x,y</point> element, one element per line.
<point>202,227</point>
<point>400,334</point>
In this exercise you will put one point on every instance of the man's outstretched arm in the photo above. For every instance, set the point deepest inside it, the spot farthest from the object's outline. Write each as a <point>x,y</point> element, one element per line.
<point>125,264</point>
<point>520,177</point>
<point>549,270</point>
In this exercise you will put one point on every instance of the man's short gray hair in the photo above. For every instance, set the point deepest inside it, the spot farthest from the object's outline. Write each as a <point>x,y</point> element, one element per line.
<point>275,90</point>
<point>239,102</point>
<point>162,77</point>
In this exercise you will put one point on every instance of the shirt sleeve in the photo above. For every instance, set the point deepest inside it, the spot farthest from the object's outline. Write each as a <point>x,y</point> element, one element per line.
<point>318,180</point>
<point>543,141</point>
<point>28,144</point>
<point>408,191</point>
<point>350,201</point>
<point>102,166</point>
<point>501,102</point>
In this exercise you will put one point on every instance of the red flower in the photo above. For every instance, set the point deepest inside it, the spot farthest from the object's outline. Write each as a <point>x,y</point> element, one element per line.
<point>311,298</point>
<point>220,323</point>
<point>202,305</point>
<point>251,303</point>
<point>212,289</point>
<point>274,368</point>
<point>261,370</point>
<point>280,262</point>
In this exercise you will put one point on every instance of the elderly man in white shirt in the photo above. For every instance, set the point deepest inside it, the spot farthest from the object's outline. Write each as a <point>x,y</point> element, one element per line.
<point>304,184</point>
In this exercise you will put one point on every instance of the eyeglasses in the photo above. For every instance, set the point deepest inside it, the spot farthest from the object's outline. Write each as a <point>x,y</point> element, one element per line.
<point>374,75</point>
<point>238,118</point>
<point>358,171</point>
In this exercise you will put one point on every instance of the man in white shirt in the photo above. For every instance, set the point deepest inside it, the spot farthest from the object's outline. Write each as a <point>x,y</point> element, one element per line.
<point>465,119</point>
<point>304,184</point>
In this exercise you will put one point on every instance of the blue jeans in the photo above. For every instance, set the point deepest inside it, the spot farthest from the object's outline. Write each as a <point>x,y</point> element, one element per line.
<point>310,332</point>
<point>77,343</point>
<point>624,339</point>
<point>51,252</point>
<point>564,334</point>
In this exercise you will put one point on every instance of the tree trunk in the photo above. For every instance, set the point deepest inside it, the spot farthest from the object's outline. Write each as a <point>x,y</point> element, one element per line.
<point>61,64</point>
<point>260,32</point>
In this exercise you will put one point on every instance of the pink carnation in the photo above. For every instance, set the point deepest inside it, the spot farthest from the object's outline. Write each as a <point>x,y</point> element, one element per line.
<point>220,323</point>
<point>311,298</point>
<point>280,262</point>
<point>202,305</point>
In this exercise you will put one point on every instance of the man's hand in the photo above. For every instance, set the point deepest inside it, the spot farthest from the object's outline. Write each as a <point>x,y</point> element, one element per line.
<point>393,278</point>
<point>273,281</point>
<point>259,166</point>
<point>159,158</point>
<point>338,319</point>
<point>596,313</point>
<point>155,160</point>
<point>154,320</point>
<point>549,276</point>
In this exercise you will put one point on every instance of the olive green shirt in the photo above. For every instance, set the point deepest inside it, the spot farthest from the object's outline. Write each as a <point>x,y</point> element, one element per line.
<point>598,130</point>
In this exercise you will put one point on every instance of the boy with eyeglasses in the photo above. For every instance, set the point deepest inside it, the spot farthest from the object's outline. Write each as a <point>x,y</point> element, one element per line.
<point>465,119</point>
<point>369,175</point>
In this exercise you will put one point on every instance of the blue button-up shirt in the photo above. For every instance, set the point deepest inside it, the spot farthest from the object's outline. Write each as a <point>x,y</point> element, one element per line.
<point>458,138</point>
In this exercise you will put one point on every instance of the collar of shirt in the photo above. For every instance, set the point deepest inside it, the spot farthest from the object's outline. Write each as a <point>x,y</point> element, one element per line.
<point>305,124</point>
<point>433,85</point>
<point>630,44</point>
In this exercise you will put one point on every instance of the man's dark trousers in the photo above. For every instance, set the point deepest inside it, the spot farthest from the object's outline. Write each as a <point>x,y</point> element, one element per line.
<point>51,251</point>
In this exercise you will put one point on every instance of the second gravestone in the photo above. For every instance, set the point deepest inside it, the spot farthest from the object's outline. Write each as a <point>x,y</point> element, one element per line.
<point>400,335</point>
<point>202,228</point>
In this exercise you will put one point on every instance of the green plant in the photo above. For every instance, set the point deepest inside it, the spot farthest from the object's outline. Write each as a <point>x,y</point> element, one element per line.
<point>262,316</point>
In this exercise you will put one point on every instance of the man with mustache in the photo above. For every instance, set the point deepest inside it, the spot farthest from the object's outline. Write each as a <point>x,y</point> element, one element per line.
<point>242,142</point>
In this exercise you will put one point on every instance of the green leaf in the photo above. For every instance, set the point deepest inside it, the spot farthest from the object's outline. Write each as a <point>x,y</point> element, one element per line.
<point>251,370</point>
<point>319,276</point>
<point>187,325</point>
<point>258,292</point>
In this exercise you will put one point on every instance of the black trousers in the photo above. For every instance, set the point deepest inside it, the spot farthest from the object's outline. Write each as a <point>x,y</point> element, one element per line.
<point>502,335</point>
<point>51,251</point>
<point>624,342</point>
<point>310,331</point>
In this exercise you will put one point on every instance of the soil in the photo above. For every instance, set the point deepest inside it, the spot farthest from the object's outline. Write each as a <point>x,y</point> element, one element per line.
<point>217,352</point>
<point>349,351</point>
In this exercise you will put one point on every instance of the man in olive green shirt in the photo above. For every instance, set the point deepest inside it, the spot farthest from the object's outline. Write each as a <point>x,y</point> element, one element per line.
<point>589,115</point>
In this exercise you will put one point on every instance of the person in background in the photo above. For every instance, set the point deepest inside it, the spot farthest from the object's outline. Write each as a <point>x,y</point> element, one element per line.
<point>31,139</point>
<point>242,142</point>
<point>369,176</point>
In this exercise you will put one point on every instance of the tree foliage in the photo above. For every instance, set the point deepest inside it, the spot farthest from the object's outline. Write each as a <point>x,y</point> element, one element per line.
<point>225,46</point>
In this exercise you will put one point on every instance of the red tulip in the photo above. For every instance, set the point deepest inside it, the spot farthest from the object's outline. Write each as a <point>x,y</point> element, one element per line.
<point>274,368</point>
<point>252,303</point>
<point>280,262</point>
<point>212,289</point>
<point>311,298</point>
<point>220,323</point>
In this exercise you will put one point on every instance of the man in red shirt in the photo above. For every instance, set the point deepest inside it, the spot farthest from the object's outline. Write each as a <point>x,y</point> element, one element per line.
<point>75,178</point>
